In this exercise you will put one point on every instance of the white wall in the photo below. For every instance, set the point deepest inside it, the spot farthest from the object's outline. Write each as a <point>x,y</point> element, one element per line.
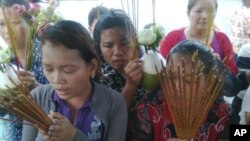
<point>170,13</point>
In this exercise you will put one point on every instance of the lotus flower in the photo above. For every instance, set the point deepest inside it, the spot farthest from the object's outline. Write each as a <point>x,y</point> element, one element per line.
<point>150,37</point>
<point>146,37</point>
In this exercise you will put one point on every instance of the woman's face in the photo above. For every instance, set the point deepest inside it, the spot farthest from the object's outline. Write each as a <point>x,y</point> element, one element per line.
<point>199,14</point>
<point>18,25</point>
<point>116,48</point>
<point>65,69</point>
<point>187,80</point>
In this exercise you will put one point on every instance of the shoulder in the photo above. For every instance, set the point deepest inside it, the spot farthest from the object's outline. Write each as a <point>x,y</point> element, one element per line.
<point>172,37</point>
<point>221,35</point>
<point>176,32</point>
<point>106,95</point>
<point>42,94</point>
<point>42,90</point>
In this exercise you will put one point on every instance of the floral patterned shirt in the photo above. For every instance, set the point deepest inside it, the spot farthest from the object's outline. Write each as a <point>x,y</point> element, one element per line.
<point>116,81</point>
<point>12,131</point>
<point>240,24</point>
<point>152,121</point>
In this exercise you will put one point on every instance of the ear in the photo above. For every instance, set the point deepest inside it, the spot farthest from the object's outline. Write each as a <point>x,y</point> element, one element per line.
<point>92,67</point>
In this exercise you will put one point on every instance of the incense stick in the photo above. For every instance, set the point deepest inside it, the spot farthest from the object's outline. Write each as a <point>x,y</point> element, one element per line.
<point>189,107</point>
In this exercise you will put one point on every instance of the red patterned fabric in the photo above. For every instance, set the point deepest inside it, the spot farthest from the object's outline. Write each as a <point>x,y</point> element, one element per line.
<point>151,121</point>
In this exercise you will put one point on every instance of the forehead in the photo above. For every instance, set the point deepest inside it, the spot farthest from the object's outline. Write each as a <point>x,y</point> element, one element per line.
<point>58,52</point>
<point>115,32</point>
<point>204,4</point>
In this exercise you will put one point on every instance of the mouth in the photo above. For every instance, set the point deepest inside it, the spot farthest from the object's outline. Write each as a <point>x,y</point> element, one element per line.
<point>62,92</point>
<point>120,63</point>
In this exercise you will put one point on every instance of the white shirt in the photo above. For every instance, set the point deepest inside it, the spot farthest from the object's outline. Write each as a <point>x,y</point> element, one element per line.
<point>245,107</point>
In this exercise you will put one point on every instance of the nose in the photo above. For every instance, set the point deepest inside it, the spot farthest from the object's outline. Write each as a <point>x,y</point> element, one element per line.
<point>58,78</point>
<point>118,50</point>
<point>204,14</point>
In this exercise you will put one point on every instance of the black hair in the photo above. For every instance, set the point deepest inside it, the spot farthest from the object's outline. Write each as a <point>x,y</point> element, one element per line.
<point>95,13</point>
<point>9,3</point>
<point>191,4</point>
<point>115,18</point>
<point>72,35</point>
<point>231,84</point>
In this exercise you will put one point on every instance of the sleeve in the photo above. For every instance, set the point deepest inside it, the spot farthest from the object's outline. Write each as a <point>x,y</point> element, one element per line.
<point>29,133</point>
<point>118,119</point>
<point>228,54</point>
<point>217,121</point>
<point>168,43</point>
<point>140,125</point>
<point>246,102</point>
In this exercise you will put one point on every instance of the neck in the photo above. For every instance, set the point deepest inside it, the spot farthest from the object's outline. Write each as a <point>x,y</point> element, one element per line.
<point>77,101</point>
<point>196,33</point>
<point>192,34</point>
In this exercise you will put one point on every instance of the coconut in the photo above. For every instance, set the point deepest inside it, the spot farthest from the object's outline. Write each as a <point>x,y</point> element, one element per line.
<point>151,61</point>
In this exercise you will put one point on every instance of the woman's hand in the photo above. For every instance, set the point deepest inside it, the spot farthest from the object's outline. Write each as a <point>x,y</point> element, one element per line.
<point>133,72</point>
<point>28,78</point>
<point>60,130</point>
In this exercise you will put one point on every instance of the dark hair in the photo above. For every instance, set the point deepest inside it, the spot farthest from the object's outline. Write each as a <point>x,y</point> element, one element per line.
<point>187,47</point>
<point>191,4</point>
<point>9,3</point>
<point>246,3</point>
<point>73,36</point>
<point>95,13</point>
<point>115,18</point>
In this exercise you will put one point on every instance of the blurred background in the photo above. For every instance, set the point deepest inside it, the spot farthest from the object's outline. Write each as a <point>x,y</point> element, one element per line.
<point>169,13</point>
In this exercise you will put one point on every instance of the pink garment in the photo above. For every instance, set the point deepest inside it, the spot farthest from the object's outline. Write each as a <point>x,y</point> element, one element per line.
<point>223,47</point>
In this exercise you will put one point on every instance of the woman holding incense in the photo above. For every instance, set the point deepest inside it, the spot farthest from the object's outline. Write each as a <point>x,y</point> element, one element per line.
<point>115,41</point>
<point>153,120</point>
<point>34,76</point>
<point>201,14</point>
<point>12,130</point>
<point>80,108</point>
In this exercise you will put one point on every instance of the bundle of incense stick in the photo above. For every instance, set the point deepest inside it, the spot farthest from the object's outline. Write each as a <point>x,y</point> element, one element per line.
<point>132,10</point>
<point>17,101</point>
<point>188,102</point>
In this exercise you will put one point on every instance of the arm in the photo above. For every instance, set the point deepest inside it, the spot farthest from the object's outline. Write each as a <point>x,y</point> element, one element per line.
<point>228,54</point>
<point>247,116</point>
<point>117,125</point>
<point>245,107</point>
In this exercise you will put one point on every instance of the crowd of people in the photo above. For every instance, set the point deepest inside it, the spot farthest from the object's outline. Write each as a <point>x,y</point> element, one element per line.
<point>88,80</point>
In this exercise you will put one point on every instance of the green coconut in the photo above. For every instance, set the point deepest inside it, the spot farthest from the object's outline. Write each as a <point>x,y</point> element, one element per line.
<point>151,61</point>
